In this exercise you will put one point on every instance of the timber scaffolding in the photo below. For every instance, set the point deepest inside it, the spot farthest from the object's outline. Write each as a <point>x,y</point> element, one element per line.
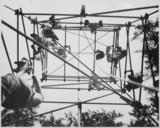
<point>107,27</point>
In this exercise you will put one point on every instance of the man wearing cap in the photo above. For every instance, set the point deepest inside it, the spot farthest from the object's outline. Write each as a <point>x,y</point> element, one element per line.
<point>20,90</point>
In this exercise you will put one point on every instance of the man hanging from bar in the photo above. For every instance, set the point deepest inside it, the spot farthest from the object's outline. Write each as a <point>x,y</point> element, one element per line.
<point>93,26</point>
<point>117,54</point>
<point>49,40</point>
<point>37,50</point>
<point>99,54</point>
<point>49,34</point>
<point>21,89</point>
<point>134,78</point>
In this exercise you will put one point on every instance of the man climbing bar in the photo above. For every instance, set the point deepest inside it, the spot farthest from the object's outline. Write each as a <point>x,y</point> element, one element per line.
<point>115,54</point>
<point>99,54</point>
<point>135,78</point>
<point>20,90</point>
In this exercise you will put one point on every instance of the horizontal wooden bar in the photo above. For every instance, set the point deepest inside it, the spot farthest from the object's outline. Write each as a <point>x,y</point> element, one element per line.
<point>78,15</point>
<point>93,103</point>
<point>76,77</point>
<point>114,11</point>
<point>44,87</point>
<point>62,79</point>
<point>78,83</point>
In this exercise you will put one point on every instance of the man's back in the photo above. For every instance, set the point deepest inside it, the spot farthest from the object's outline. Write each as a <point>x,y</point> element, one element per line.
<point>14,91</point>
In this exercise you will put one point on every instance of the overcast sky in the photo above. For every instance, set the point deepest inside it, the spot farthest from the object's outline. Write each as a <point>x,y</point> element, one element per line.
<point>73,6</point>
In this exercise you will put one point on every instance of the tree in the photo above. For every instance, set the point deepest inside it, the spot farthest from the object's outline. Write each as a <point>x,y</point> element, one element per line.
<point>144,115</point>
<point>19,114</point>
<point>69,120</point>
<point>152,35</point>
<point>100,119</point>
<point>89,118</point>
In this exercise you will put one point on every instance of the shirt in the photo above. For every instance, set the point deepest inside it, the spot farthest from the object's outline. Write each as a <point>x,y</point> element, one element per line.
<point>16,92</point>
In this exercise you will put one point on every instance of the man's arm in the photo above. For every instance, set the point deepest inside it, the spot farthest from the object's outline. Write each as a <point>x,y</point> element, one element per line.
<point>36,84</point>
<point>37,97</point>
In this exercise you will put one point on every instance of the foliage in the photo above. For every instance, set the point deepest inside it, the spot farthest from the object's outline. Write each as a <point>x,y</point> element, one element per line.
<point>100,119</point>
<point>152,35</point>
<point>89,118</point>
<point>69,120</point>
<point>144,116</point>
<point>18,114</point>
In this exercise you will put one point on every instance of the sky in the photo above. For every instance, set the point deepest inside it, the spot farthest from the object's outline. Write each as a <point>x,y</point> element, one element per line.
<point>73,7</point>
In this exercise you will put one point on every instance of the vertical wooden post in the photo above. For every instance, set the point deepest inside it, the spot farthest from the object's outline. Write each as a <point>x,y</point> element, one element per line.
<point>65,43</point>
<point>17,13</point>
<point>25,38</point>
<point>94,58</point>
